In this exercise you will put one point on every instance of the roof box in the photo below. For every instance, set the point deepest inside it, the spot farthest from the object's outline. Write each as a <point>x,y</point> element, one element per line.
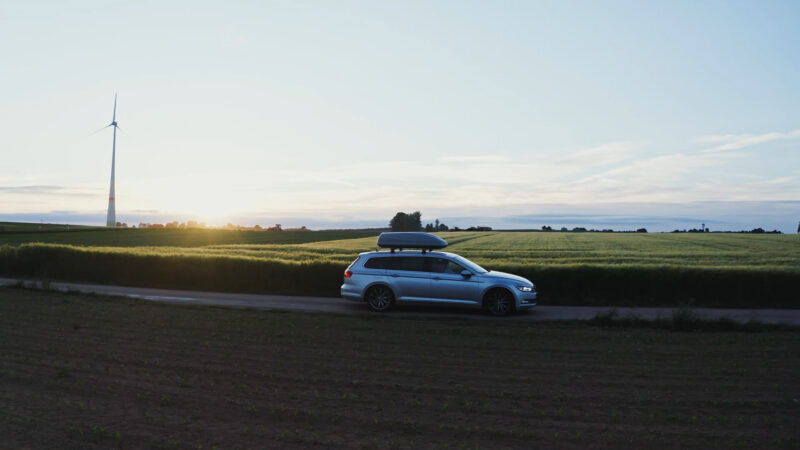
<point>410,239</point>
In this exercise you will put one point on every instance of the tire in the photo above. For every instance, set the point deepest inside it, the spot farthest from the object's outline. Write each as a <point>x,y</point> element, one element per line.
<point>379,298</point>
<point>499,302</point>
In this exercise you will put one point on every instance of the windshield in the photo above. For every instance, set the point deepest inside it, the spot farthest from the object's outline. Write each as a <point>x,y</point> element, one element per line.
<point>469,264</point>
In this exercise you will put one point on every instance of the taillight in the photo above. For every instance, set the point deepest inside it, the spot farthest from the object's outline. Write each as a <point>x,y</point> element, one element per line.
<point>348,273</point>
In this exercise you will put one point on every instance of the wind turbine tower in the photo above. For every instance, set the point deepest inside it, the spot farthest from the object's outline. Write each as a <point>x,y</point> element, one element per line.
<point>111,219</point>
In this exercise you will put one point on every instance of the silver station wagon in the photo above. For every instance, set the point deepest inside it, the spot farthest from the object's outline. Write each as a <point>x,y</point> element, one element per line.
<point>384,278</point>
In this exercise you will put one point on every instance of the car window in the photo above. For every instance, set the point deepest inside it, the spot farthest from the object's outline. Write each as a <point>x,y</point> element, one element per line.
<point>469,264</point>
<point>392,263</point>
<point>443,265</point>
<point>410,263</point>
<point>438,265</point>
<point>453,268</point>
<point>414,263</point>
<point>376,263</point>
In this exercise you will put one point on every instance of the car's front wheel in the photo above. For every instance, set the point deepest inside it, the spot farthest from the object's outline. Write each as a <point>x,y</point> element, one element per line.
<point>499,302</point>
<point>379,298</point>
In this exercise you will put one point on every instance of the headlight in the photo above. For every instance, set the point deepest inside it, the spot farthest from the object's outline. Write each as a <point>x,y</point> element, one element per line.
<point>525,288</point>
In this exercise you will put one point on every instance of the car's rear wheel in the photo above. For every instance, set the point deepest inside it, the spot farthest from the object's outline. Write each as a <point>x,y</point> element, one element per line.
<point>379,298</point>
<point>499,302</point>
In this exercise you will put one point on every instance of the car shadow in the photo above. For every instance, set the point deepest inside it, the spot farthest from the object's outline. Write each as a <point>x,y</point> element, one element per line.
<point>437,311</point>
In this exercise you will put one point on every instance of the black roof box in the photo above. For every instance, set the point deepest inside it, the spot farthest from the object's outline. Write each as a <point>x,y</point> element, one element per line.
<point>410,239</point>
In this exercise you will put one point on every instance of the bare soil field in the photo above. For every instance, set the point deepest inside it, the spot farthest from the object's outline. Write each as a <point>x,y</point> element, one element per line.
<point>80,371</point>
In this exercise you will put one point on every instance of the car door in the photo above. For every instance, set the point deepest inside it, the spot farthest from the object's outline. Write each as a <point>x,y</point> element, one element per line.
<point>449,285</point>
<point>410,281</point>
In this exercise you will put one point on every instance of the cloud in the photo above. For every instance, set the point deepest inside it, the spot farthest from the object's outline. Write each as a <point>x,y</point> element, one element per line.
<point>610,153</point>
<point>473,159</point>
<point>735,142</point>
<point>621,171</point>
<point>655,169</point>
<point>780,181</point>
<point>717,138</point>
<point>31,189</point>
<point>613,172</point>
<point>44,190</point>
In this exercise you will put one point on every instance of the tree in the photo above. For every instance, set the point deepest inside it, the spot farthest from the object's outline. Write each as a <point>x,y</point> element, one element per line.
<point>436,226</point>
<point>406,222</point>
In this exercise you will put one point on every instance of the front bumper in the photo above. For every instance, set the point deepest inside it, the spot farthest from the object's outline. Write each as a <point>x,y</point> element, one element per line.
<point>527,300</point>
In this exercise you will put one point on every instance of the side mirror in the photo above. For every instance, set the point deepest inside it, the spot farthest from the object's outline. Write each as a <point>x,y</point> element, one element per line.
<point>466,273</point>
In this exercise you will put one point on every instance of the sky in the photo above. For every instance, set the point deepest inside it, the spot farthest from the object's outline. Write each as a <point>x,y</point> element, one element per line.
<point>338,114</point>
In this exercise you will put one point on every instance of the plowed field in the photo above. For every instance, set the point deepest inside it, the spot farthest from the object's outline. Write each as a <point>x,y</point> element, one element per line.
<point>82,371</point>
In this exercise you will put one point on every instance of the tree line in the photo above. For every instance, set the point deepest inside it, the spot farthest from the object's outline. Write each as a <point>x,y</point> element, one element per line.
<point>191,224</point>
<point>413,222</point>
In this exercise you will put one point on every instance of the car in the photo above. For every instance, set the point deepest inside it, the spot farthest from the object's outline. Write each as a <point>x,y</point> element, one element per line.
<point>412,272</point>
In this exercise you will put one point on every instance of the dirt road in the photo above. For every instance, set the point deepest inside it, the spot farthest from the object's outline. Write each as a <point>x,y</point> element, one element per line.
<point>341,306</point>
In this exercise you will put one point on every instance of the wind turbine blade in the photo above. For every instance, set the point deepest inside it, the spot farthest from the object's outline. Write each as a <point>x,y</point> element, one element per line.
<point>124,132</point>
<point>114,117</point>
<point>101,129</point>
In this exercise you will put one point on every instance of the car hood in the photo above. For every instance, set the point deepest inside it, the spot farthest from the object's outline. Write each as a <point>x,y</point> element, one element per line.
<point>507,276</point>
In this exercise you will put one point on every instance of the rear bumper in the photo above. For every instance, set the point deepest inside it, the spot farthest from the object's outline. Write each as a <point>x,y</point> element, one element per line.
<point>348,292</point>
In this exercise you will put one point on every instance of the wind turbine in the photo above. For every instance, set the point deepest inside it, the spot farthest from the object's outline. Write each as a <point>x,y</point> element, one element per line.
<point>111,219</point>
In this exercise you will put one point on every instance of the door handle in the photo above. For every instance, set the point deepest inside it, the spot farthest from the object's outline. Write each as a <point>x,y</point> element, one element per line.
<point>436,278</point>
<point>394,275</point>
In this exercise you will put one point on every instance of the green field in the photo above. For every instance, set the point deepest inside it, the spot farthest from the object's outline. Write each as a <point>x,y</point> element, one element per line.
<point>132,237</point>
<point>94,372</point>
<point>636,269</point>
<point>717,251</point>
<point>18,227</point>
